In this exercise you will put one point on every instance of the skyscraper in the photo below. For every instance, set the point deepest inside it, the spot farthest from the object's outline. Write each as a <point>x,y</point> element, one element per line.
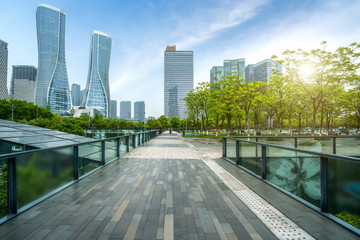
<point>216,73</point>
<point>178,80</point>
<point>113,107</point>
<point>52,85</point>
<point>249,73</point>
<point>23,81</point>
<point>263,70</point>
<point>125,110</point>
<point>75,94</point>
<point>97,93</point>
<point>3,69</point>
<point>139,111</point>
<point>235,66</point>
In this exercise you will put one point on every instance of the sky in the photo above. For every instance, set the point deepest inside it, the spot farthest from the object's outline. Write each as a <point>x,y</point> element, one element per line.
<point>213,29</point>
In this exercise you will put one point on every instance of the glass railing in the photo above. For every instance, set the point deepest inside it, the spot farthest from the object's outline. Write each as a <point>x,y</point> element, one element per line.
<point>311,172</point>
<point>28,177</point>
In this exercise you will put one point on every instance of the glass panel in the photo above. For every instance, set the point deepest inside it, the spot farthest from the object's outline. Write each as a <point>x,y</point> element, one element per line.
<point>89,157</point>
<point>348,146</point>
<point>344,189</point>
<point>3,188</point>
<point>230,149</point>
<point>136,140</point>
<point>131,142</point>
<point>250,156</point>
<point>110,150</point>
<point>294,172</point>
<point>315,144</point>
<point>123,146</point>
<point>40,173</point>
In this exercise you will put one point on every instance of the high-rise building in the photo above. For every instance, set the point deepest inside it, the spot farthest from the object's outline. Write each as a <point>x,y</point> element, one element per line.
<point>216,73</point>
<point>249,73</point>
<point>113,107</point>
<point>178,80</point>
<point>23,81</point>
<point>139,111</point>
<point>3,69</point>
<point>75,94</point>
<point>125,110</point>
<point>97,93</point>
<point>52,85</point>
<point>236,66</point>
<point>263,70</point>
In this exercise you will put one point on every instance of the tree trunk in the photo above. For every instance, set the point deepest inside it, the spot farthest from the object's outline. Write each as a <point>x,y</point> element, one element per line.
<point>290,128</point>
<point>247,123</point>
<point>229,124</point>
<point>321,119</point>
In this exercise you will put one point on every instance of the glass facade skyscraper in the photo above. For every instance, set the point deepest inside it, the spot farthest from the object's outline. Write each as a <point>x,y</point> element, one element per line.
<point>216,73</point>
<point>113,108</point>
<point>236,66</point>
<point>263,70</point>
<point>52,85</point>
<point>139,111</point>
<point>178,80</point>
<point>125,110</point>
<point>97,93</point>
<point>23,80</point>
<point>3,69</point>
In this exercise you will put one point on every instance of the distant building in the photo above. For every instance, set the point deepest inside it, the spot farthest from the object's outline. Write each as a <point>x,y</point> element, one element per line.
<point>236,66</point>
<point>125,110</point>
<point>216,73</point>
<point>178,80</point>
<point>52,85</point>
<point>249,73</point>
<point>97,93</point>
<point>139,111</point>
<point>3,69</point>
<point>23,82</point>
<point>263,70</point>
<point>75,94</point>
<point>87,111</point>
<point>113,109</point>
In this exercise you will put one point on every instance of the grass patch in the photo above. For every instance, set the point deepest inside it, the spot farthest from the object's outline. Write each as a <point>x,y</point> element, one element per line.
<point>275,139</point>
<point>350,218</point>
<point>322,138</point>
<point>307,143</point>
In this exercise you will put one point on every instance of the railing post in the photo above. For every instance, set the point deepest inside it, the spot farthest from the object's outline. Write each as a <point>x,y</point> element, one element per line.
<point>263,162</point>
<point>103,152</point>
<point>256,147</point>
<point>134,141</point>
<point>76,162</point>
<point>224,147</point>
<point>143,137</point>
<point>324,203</point>
<point>334,145</point>
<point>118,147</point>
<point>127,138</point>
<point>295,142</point>
<point>12,192</point>
<point>237,158</point>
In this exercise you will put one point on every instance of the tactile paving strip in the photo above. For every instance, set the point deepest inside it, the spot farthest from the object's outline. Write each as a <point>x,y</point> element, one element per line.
<point>278,223</point>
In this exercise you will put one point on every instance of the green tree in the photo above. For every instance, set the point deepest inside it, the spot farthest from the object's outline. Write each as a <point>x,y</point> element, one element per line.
<point>175,122</point>
<point>163,122</point>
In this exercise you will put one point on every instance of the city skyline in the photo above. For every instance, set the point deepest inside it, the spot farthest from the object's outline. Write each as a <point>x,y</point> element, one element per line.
<point>254,30</point>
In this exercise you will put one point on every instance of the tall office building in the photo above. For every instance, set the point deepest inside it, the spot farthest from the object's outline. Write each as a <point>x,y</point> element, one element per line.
<point>139,111</point>
<point>52,85</point>
<point>216,73</point>
<point>3,69</point>
<point>97,93</point>
<point>178,80</point>
<point>125,110</point>
<point>23,81</point>
<point>236,66</point>
<point>249,73</point>
<point>113,107</point>
<point>75,94</point>
<point>263,70</point>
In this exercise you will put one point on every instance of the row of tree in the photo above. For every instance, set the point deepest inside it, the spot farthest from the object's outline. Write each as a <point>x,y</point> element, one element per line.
<point>313,90</point>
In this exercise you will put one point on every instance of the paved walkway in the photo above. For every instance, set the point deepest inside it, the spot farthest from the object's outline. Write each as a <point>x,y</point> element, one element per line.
<point>168,189</point>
